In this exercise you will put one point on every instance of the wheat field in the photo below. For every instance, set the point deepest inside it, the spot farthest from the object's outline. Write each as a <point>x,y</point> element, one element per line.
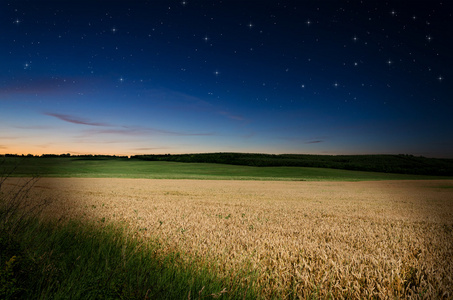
<point>381,239</point>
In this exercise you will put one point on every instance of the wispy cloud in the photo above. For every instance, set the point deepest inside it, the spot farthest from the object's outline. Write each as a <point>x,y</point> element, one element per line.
<point>37,127</point>
<point>76,120</point>
<point>120,129</point>
<point>182,101</point>
<point>310,140</point>
<point>150,148</point>
<point>44,86</point>
<point>231,116</point>
<point>149,130</point>
<point>142,131</point>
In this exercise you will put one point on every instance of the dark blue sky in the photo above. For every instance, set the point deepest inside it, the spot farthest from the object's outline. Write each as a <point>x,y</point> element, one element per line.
<point>132,77</point>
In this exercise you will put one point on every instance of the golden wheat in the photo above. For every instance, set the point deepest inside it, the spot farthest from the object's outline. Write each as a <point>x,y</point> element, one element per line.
<point>387,239</point>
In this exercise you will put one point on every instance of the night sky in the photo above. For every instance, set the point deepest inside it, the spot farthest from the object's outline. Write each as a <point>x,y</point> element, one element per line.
<point>137,77</point>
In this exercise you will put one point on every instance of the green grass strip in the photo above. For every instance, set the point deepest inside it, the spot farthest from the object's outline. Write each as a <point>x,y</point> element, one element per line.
<point>89,261</point>
<point>124,168</point>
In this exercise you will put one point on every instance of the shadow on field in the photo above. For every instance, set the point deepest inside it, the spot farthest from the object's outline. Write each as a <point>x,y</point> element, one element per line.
<point>56,249</point>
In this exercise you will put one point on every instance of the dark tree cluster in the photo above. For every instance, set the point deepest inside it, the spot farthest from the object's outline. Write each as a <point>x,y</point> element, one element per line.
<point>403,164</point>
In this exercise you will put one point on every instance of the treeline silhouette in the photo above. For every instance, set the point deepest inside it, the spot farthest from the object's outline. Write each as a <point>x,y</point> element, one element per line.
<point>402,163</point>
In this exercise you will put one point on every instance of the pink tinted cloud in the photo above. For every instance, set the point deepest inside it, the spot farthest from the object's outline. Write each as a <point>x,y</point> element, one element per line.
<point>120,129</point>
<point>76,120</point>
<point>231,116</point>
<point>44,86</point>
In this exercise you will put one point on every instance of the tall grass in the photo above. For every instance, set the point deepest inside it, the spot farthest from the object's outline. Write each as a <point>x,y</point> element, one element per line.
<point>83,261</point>
<point>15,205</point>
<point>93,260</point>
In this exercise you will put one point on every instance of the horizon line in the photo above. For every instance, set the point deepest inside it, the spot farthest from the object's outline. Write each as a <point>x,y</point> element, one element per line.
<point>69,154</point>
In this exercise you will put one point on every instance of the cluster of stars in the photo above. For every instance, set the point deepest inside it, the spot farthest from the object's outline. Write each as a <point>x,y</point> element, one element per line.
<point>250,25</point>
<point>232,46</point>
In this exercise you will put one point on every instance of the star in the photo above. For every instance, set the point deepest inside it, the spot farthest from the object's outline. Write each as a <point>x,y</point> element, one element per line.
<point>355,38</point>
<point>113,29</point>
<point>121,79</point>
<point>17,22</point>
<point>335,84</point>
<point>205,38</point>
<point>216,73</point>
<point>308,22</point>
<point>429,38</point>
<point>250,25</point>
<point>389,62</point>
<point>440,78</point>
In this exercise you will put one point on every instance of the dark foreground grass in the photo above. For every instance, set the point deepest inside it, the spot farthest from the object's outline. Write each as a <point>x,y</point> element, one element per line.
<point>74,260</point>
<point>126,168</point>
